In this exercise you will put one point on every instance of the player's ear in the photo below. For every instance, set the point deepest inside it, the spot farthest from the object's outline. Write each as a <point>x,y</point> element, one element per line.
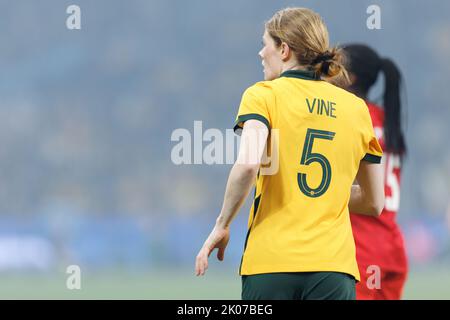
<point>285,51</point>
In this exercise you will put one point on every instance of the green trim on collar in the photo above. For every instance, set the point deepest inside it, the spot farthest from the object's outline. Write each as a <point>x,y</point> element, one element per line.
<point>300,74</point>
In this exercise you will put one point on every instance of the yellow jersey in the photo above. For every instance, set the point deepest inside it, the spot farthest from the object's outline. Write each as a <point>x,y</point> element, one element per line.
<point>299,220</point>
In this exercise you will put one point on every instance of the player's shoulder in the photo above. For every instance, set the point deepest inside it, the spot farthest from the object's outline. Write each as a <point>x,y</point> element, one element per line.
<point>262,89</point>
<point>348,96</point>
<point>261,85</point>
<point>358,105</point>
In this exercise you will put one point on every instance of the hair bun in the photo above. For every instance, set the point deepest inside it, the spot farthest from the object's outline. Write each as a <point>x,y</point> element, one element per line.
<point>330,64</point>
<point>324,57</point>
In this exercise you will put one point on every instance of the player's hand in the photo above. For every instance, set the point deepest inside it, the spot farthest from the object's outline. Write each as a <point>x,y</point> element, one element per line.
<point>217,239</point>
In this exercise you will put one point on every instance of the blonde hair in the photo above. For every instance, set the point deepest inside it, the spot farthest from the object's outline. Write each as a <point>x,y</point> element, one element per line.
<point>306,34</point>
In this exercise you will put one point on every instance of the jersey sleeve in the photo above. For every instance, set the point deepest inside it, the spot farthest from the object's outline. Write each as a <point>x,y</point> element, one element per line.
<point>373,148</point>
<point>256,103</point>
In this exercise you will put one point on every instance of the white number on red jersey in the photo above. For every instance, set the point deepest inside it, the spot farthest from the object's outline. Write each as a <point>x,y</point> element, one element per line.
<point>392,162</point>
<point>391,176</point>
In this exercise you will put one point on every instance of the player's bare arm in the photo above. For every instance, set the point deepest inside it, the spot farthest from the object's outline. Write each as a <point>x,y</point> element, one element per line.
<point>367,197</point>
<point>240,182</point>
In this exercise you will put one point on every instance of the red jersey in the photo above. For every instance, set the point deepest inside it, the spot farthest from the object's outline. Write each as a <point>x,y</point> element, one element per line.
<point>379,241</point>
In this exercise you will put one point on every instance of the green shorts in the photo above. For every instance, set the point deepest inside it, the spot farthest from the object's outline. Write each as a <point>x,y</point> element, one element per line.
<point>299,286</point>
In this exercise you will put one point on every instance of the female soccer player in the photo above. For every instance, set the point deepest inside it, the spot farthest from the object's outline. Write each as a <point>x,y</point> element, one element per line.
<point>299,243</point>
<point>380,251</point>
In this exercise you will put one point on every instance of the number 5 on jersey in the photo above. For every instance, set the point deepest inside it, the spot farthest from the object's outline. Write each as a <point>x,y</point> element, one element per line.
<point>309,157</point>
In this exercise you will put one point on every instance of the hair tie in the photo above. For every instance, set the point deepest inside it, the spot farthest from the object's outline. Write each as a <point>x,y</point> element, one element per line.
<point>323,57</point>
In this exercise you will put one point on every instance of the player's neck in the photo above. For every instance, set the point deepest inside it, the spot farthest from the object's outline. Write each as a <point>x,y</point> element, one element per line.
<point>292,65</point>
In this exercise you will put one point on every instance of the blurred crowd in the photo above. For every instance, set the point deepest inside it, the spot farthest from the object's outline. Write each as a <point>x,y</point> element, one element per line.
<point>86,118</point>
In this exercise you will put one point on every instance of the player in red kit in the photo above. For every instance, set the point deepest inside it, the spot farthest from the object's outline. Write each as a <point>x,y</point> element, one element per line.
<point>380,249</point>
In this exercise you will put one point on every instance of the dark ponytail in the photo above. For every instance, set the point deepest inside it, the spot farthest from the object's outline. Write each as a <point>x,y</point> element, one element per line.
<point>393,135</point>
<point>365,64</point>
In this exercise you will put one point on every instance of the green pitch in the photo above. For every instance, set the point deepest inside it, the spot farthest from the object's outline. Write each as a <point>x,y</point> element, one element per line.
<point>426,283</point>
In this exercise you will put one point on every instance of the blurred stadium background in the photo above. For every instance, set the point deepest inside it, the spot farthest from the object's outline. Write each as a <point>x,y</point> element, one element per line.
<point>86,117</point>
